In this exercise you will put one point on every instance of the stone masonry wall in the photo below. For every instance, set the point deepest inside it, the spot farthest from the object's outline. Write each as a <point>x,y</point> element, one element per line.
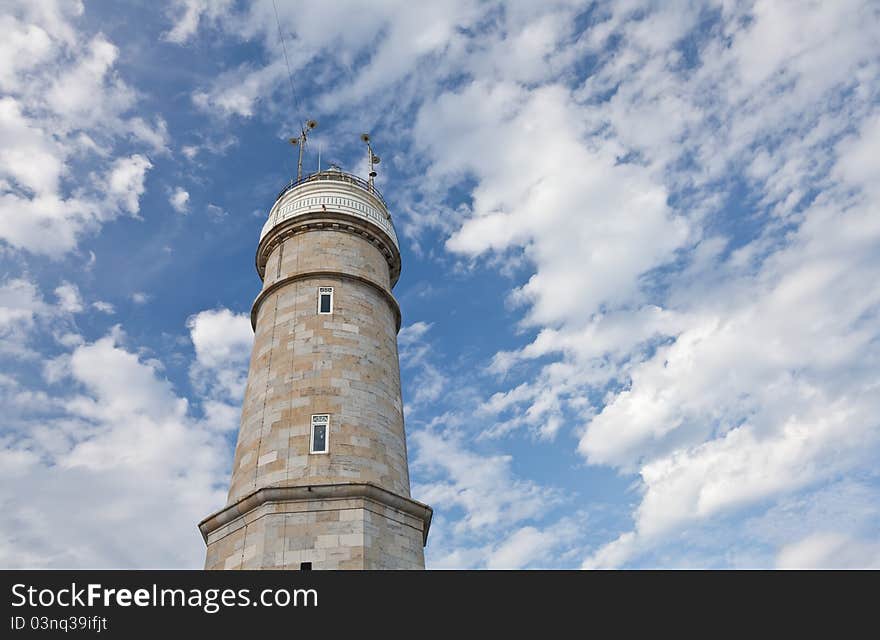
<point>304,363</point>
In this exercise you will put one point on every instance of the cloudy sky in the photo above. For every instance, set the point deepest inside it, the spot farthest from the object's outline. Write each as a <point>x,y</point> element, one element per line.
<point>641,256</point>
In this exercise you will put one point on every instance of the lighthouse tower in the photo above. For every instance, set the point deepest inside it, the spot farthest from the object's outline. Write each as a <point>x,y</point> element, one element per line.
<point>320,477</point>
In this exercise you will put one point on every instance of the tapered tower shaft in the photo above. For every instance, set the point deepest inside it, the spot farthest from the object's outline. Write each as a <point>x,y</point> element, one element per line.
<point>320,475</point>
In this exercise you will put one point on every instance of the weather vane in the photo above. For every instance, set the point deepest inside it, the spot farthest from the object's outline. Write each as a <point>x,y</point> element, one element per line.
<point>371,158</point>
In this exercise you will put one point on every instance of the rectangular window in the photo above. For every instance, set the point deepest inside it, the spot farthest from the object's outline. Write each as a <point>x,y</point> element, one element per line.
<point>325,299</point>
<point>320,437</point>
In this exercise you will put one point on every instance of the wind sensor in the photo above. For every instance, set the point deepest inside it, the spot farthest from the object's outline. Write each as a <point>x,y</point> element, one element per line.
<point>301,141</point>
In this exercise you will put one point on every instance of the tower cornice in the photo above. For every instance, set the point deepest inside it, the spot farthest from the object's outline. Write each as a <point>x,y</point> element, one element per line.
<point>328,221</point>
<point>293,493</point>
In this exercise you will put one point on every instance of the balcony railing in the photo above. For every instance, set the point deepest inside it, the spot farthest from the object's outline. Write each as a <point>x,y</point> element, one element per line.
<point>338,176</point>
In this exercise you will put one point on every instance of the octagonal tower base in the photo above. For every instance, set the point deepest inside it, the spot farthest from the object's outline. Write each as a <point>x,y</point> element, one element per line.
<point>339,526</point>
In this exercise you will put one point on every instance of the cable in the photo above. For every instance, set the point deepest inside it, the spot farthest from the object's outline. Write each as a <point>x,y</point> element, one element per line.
<point>294,101</point>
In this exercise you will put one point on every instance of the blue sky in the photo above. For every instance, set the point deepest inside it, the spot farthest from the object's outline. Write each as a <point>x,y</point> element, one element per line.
<point>640,241</point>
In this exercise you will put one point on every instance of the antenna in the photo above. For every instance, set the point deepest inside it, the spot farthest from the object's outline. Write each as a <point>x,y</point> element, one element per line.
<point>301,141</point>
<point>372,159</point>
<point>293,100</point>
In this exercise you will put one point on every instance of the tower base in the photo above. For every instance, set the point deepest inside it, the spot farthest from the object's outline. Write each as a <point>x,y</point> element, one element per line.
<point>331,526</point>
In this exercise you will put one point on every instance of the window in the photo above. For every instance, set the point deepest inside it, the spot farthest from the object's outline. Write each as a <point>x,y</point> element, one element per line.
<point>305,566</point>
<point>325,299</point>
<point>320,435</point>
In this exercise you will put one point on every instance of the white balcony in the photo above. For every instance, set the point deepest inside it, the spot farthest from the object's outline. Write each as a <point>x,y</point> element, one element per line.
<point>331,191</point>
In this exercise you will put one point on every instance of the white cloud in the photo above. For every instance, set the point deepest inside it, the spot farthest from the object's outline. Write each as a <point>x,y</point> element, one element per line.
<point>414,345</point>
<point>24,47</point>
<point>140,471</point>
<point>427,381</point>
<point>528,546</point>
<point>69,298</point>
<point>74,94</point>
<point>483,487</point>
<point>188,14</point>
<point>24,312</point>
<point>179,200</point>
<point>139,297</point>
<point>20,301</point>
<point>64,109</point>
<point>765,390</point>
<point>30,157</point>
<point>857,163</point>
<point>830,551</point>
<point>209,143</point>
<point>215,210</point>
<point>110,435</point>
<point>126,181</point>
<point>156,137</point>
<point>20,305</point>
<point>410,34</point>
<point>484,515</point>
<point>23,222</point>
<point>561,215</point>
<point>220,337</point>
<point>222,341</point>
<point>104,307</point>
<point>412,333</point>
<point>236,92</point>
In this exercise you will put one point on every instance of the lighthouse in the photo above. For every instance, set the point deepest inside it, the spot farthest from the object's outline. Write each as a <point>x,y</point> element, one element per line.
<point>320,477</point>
